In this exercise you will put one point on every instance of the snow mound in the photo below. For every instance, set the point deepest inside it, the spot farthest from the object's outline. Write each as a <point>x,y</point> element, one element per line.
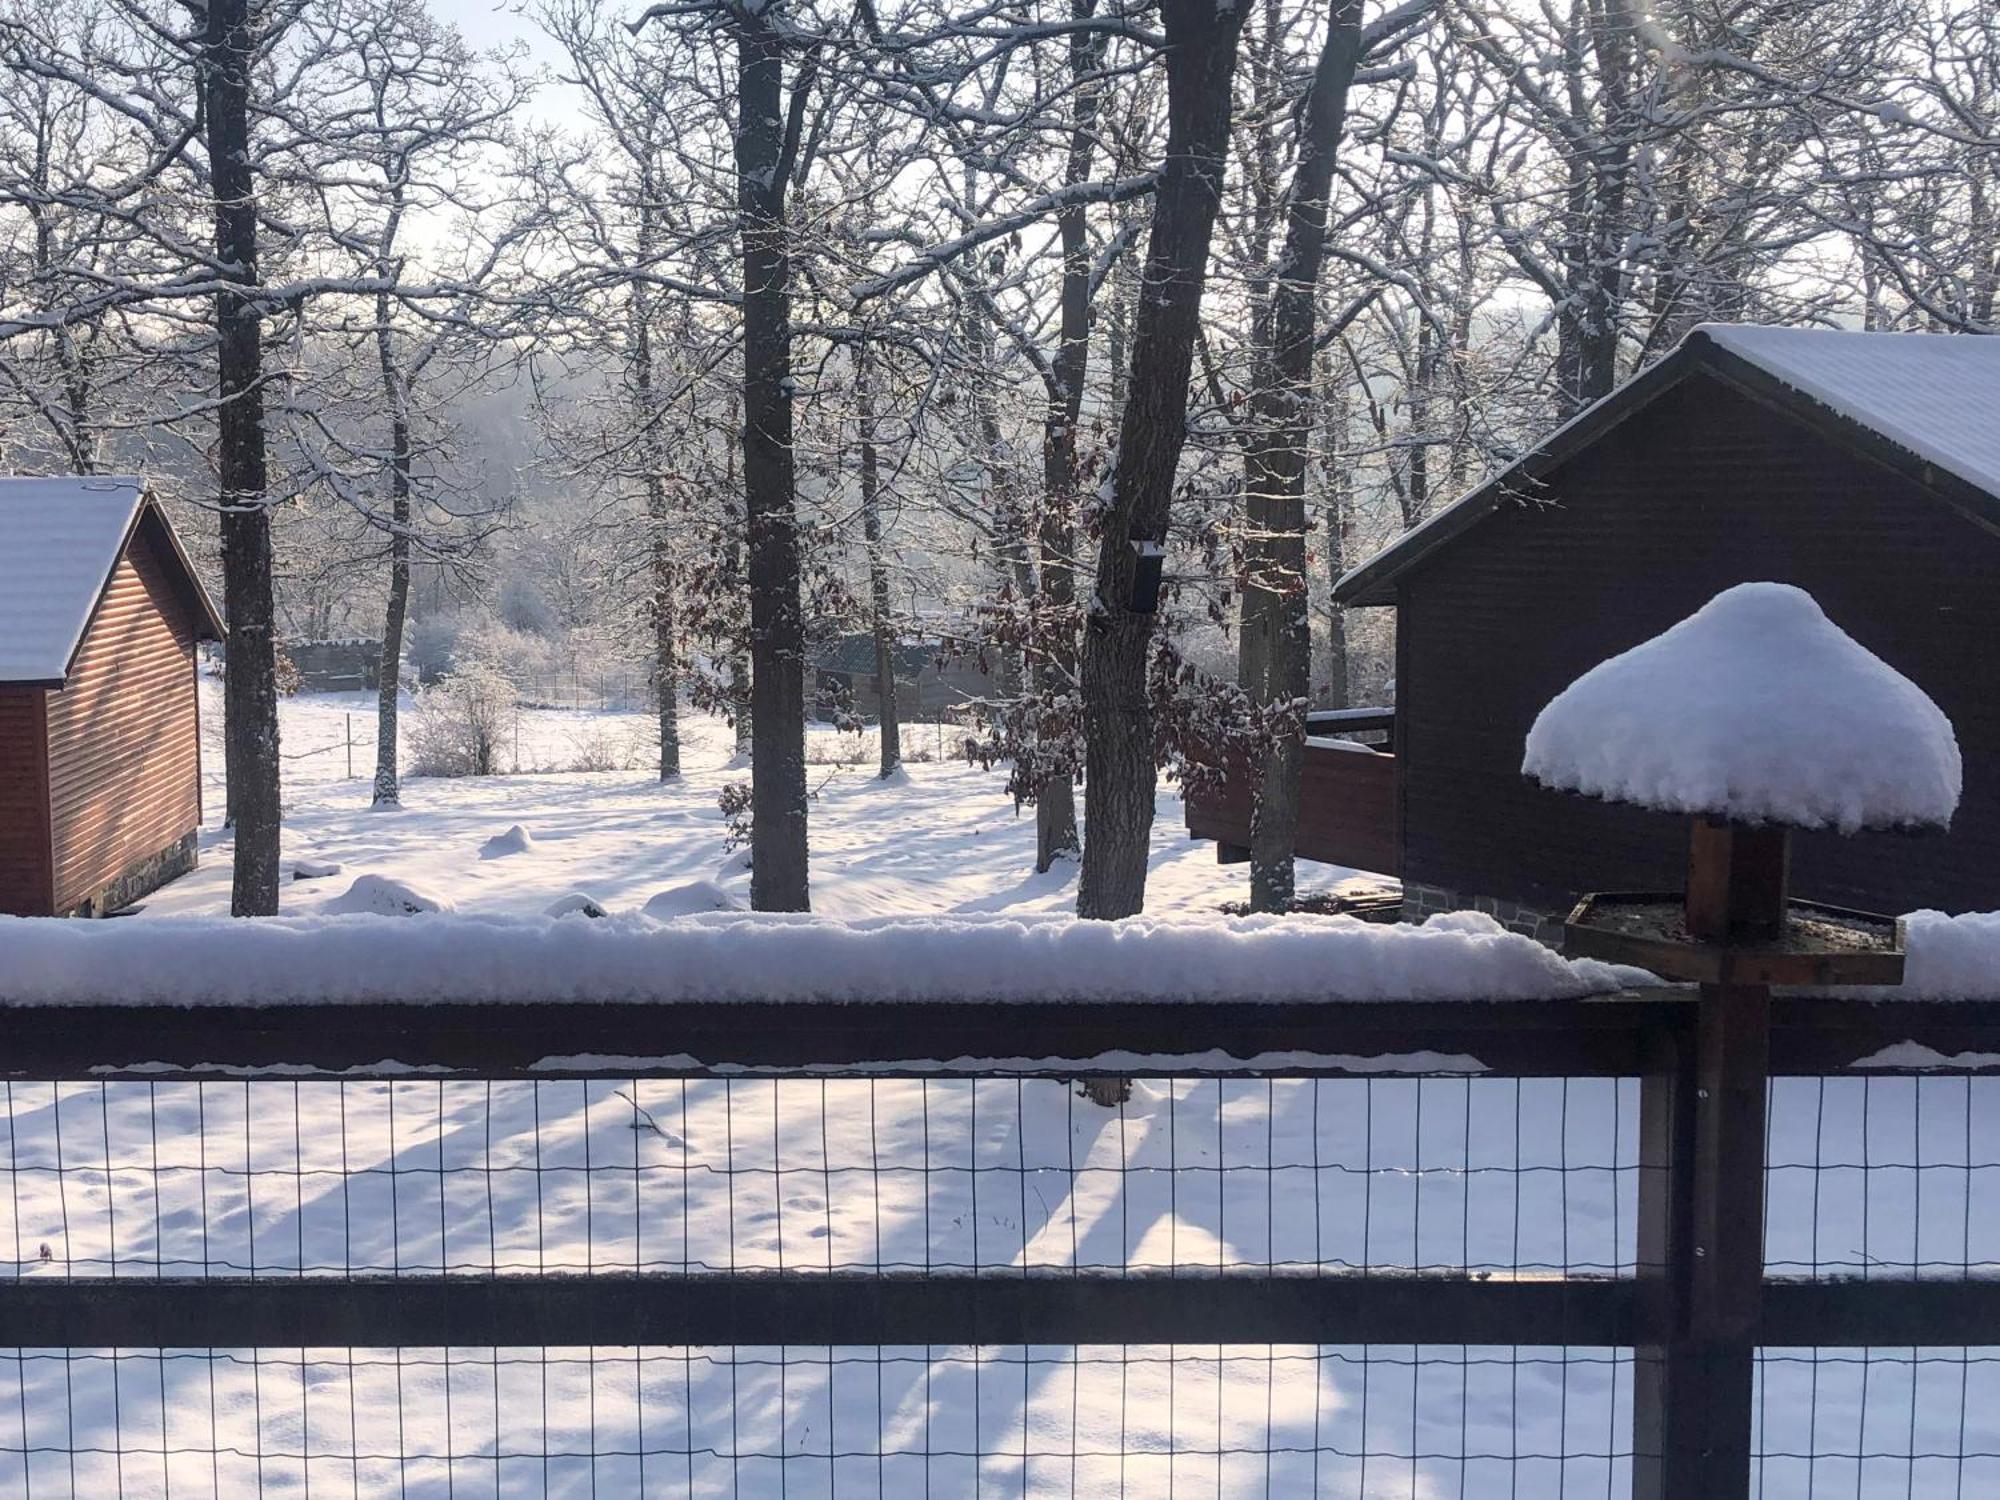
<point>689,900</point>
<point>314,869</point>
<point>1948,958</point>
<point>378,895</point>
<point>1759,708</point>
<point>576,902</point>
<point>743,956</point>
<point>516,840</point>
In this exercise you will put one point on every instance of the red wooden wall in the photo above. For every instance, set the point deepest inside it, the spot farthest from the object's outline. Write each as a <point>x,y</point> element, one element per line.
<point>124,763</point>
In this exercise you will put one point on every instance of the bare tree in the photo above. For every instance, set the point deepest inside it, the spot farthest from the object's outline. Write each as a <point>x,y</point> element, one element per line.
<point>231,44</point>
<point>1275,463</point>
<point>1201,40</point>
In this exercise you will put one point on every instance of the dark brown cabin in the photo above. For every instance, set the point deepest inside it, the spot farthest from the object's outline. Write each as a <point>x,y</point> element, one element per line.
<point>100,746</point>
<point>1865,468</point>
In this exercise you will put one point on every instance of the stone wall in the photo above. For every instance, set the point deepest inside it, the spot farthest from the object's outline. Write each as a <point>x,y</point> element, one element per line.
<point>142,878</point>
<point>1420,901</point>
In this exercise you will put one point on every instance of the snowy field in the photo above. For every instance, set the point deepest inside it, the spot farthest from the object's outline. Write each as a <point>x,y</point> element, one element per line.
<point>944,840</point>
<point>1196,1178</point>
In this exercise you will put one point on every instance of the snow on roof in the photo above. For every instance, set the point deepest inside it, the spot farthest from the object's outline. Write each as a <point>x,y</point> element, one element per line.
<point>1756,707</point>
<point>744,956</point>
<point>1934,395</point>
<point>59,539</point>
<point>1931,395</point>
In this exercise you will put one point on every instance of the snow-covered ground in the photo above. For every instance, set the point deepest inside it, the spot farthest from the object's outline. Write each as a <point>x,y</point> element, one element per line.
<point>1496,1177</point>
<point>944,839</point>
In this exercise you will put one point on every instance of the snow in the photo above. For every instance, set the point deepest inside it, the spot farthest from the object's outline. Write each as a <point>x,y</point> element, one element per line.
<point>63,536</point>
<point>687,900</point>
<point>944,840</point>
<point>516,840</point>
<point>1915,1057</point>
<point>314,869</point>
<point>375,895</point>
<point>576,903</point>
<point>1756,708</point>
<point>1198,1177</point>
<point>1934,395</point>
<point>360,955</point>
<point>1947,958</point>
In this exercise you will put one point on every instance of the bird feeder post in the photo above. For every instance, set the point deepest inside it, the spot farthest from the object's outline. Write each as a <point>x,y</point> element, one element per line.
<point>1738,881</point>
<point>1620,732</point>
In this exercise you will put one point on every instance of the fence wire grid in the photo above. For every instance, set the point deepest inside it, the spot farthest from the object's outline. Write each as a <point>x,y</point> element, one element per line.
<point>1487,1179</point>
<point>1496,1177</point>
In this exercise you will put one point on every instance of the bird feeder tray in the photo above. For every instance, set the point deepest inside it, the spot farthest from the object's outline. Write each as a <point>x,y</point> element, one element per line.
<point>1817,944</point>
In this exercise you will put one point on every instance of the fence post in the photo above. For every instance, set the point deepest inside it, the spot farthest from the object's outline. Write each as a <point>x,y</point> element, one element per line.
<point>1701,1249</point>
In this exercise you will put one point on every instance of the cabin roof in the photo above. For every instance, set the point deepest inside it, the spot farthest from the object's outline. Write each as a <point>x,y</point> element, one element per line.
<point>61,537</point>
<point>1920,403</point>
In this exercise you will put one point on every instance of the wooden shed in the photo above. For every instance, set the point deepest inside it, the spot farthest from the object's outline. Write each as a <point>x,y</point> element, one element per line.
<point>1863,467</point>
<point>100,758</point>
<point>928,685</point>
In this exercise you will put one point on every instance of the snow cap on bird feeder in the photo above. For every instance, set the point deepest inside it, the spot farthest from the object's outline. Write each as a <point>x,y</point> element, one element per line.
<point>1756,715</point>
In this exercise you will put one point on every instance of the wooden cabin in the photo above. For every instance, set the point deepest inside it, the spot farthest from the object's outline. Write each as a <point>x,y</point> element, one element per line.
<point>100,745</point>
<point>1863,467</point>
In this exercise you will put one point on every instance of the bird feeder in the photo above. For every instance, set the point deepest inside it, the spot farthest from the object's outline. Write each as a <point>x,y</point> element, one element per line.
<point>1149,561</point>
<point>1754,717</point>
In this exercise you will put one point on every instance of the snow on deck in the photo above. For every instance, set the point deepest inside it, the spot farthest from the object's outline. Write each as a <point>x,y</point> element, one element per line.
<point>741,956</point>
<point>62,539</point>
<point>1932,394</point>
<point>1756,707</point>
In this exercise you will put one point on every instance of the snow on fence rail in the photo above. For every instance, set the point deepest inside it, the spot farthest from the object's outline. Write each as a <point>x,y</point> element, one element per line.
<point>740,956</point>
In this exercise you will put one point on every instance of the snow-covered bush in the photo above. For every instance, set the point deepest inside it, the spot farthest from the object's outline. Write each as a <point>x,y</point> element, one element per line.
<point>734,801</point>
<point>385,896</point>
<point>460,725</point>
<point>604,745</point>
<point>287,672</point>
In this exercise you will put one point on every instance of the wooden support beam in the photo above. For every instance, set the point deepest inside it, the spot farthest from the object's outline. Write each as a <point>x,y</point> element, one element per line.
<point>1701,1250</point>
<point>1738,881</point>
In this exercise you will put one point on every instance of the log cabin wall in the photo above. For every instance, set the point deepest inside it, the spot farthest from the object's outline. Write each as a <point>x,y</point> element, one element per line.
<point>25,880</point>
<point>123,735</point>
<point>1707,487</point>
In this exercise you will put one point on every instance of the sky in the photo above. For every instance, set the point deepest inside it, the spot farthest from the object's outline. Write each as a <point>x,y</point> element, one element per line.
<point>488,24</point>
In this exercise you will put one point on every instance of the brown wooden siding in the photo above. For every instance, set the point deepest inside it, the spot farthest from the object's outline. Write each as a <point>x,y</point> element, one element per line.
<point>24,805</point>
<point>124,750</point>
<point>1705,489</point>
<point>1347,810</point>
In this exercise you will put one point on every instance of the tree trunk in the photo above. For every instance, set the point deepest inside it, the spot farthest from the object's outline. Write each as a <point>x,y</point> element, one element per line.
<point>881,621</point>
<point>666,638</point>
<point>778,857</point>
<point>388,789</point>
<point>1258,585</point>
<point>1055,655</point>
<point>666,659</point>
<point>1118,720</point>
<point>1334,423</point>
<point>1275,467</point>
<point>250,681</point>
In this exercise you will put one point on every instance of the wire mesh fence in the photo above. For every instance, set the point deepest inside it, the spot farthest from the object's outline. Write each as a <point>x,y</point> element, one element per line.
<point>1883,1177</point>
<point>426,1177</point>
<point>995,1420</point>
<point>1920,1421</point>
<point>1399,1196</point>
